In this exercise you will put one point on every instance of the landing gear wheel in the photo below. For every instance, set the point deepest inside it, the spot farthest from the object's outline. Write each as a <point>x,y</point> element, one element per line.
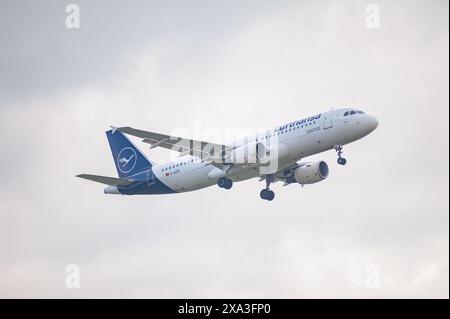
<point>270,196</point>
<point>222,182</point>
<point>267,194</point>
<point>263,193</point>
<point>225,183</point>
<point>228,184</point>
<point>341,161</point>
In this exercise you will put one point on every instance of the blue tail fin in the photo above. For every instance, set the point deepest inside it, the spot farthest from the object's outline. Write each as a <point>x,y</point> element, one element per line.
<point>128,159</point>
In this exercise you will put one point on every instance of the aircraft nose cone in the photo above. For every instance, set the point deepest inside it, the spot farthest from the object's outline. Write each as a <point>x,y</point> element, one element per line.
<point>372,123</point>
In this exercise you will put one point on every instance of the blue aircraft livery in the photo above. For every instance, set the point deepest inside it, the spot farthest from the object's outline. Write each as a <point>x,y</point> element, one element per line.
<point>132,165</point>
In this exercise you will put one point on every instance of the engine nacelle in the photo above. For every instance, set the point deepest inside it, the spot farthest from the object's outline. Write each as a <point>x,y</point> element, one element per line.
<point>251,153</point>
<point>311,173</point>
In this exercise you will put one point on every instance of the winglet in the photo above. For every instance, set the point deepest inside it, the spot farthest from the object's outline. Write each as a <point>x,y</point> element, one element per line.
<point>113,129</point>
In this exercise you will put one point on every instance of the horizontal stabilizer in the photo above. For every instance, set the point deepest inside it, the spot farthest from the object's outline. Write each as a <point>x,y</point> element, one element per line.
<point>112,181</point>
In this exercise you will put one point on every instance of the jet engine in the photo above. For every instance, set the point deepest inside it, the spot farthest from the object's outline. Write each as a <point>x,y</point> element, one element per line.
<point>311,173</point>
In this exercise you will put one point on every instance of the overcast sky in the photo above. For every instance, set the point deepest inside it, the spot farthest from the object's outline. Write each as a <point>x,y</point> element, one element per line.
<point>378,227</point>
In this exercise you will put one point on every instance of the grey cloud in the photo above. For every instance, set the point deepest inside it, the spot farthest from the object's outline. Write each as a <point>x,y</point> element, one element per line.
<point>164,66</point>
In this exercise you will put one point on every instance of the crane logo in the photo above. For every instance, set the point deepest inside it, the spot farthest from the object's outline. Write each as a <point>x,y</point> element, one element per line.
<point>126,160</point>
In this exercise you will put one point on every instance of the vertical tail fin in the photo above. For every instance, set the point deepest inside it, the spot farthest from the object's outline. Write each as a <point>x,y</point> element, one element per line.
<point>127,157</point>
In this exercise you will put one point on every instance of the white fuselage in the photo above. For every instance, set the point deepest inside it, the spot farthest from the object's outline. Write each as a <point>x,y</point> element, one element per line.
<point>297,141</point>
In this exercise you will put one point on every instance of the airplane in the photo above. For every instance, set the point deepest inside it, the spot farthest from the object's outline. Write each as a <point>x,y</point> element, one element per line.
<point>272,156</point>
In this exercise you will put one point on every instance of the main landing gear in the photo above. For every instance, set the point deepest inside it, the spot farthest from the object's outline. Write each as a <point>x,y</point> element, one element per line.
<point>340,160</point>
<point>225,183</point>
<point>266,193</point>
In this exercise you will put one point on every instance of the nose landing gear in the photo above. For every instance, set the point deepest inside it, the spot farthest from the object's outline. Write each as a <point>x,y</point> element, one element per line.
<point>266,193</point>
<point>340,160</point>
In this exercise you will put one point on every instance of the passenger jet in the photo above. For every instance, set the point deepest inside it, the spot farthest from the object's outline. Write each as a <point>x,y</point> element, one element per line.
<point>273,156</point>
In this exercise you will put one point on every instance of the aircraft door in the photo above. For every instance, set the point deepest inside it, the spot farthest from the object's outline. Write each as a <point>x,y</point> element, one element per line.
<point>328,119</point>
<point>150,177</point>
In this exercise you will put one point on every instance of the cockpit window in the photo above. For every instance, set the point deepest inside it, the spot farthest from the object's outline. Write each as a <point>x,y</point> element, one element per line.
<point>353,112</point>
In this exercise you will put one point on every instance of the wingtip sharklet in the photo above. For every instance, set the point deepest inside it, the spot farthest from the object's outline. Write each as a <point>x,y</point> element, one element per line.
<point>113,128</point>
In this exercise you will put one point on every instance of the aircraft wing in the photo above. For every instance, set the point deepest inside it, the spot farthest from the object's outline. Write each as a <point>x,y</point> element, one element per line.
<point>112,181</point>
<point>283,174</point>
<point>183,145</point>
